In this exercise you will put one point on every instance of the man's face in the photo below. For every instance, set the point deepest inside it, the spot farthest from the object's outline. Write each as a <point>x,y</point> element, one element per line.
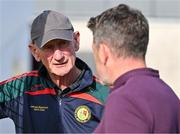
<point>101,69</point>
<point>58,56</point>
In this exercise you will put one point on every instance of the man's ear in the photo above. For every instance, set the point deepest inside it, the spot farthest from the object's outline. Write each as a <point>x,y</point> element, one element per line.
<point>104,53</point>
<point>34,51</point>
<point>76,36</point>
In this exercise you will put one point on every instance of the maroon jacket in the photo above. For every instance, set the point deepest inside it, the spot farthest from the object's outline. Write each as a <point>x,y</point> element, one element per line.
<point>141,102</point>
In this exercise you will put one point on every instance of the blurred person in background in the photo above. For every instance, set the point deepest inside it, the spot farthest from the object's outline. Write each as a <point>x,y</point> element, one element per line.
<point>140,101</point>
<point>62,96</point>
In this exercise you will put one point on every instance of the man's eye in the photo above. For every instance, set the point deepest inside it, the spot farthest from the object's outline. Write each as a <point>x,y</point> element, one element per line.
<point>48,47</point>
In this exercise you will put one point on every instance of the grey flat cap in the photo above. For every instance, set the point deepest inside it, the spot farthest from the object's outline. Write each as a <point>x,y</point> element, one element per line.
<point>51,25</point>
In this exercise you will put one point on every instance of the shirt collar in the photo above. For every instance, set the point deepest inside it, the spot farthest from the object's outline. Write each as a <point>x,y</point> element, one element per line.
<point>121,80</point>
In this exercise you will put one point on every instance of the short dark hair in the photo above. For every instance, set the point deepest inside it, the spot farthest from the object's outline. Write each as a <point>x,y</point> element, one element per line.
<point>124,28</point>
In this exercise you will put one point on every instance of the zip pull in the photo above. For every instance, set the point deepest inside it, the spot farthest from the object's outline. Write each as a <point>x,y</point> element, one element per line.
<point>60,100</point>
<point>59,96</point>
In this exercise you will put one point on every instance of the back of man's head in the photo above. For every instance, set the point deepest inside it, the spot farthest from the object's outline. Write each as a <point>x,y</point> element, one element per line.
<point>124,29</point>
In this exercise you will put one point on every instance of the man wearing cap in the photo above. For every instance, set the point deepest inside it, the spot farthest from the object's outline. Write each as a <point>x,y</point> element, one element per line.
<point>62,96</point>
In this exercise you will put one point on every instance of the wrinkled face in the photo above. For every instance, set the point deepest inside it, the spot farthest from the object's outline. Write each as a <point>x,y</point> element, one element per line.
<point>58,56</point>
<point>101,69</point>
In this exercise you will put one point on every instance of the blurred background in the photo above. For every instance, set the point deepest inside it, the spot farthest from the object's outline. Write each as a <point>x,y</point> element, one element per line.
<point>16,17</point>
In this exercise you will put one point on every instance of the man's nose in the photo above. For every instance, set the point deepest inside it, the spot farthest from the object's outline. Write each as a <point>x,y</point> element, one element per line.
<point>58,54</point>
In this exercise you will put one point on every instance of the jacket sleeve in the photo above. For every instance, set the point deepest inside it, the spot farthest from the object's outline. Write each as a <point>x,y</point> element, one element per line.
<point>8,91</point>
<point>2,100</point>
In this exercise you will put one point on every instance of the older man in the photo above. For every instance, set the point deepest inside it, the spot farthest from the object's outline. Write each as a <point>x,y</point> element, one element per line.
<point>62,96</point>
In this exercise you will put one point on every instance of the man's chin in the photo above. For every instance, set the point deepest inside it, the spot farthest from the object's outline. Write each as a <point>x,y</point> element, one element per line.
<point>106,82</point>
<point>59,74</point>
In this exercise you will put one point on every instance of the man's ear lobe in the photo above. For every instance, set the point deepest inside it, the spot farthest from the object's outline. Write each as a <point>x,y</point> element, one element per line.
<point>103,53</point>
<point>34,52</point>
<point>76,36</point>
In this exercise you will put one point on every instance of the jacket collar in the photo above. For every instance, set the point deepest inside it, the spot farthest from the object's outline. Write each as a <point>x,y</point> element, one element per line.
<point>85,78</point>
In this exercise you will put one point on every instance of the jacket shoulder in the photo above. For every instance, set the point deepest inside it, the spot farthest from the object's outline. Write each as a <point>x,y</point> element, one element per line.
<point>17,77</point>
<point>15,86</point>
<point>98,90</point>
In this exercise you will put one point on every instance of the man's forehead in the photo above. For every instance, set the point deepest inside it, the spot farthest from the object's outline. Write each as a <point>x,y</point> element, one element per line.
<point>56,41</point>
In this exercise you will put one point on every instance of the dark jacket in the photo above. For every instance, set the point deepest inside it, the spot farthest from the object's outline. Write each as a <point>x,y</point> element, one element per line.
<point>36,104</point>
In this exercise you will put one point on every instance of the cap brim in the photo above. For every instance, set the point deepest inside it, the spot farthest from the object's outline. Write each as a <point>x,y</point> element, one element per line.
<point>63,34</point>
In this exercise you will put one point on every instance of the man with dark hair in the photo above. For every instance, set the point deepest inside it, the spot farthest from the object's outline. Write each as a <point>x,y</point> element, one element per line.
<point>62,96</point>
<point>139,101</point>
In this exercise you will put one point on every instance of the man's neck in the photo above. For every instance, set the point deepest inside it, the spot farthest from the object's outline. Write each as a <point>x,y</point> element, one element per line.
<point>124,66</point>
